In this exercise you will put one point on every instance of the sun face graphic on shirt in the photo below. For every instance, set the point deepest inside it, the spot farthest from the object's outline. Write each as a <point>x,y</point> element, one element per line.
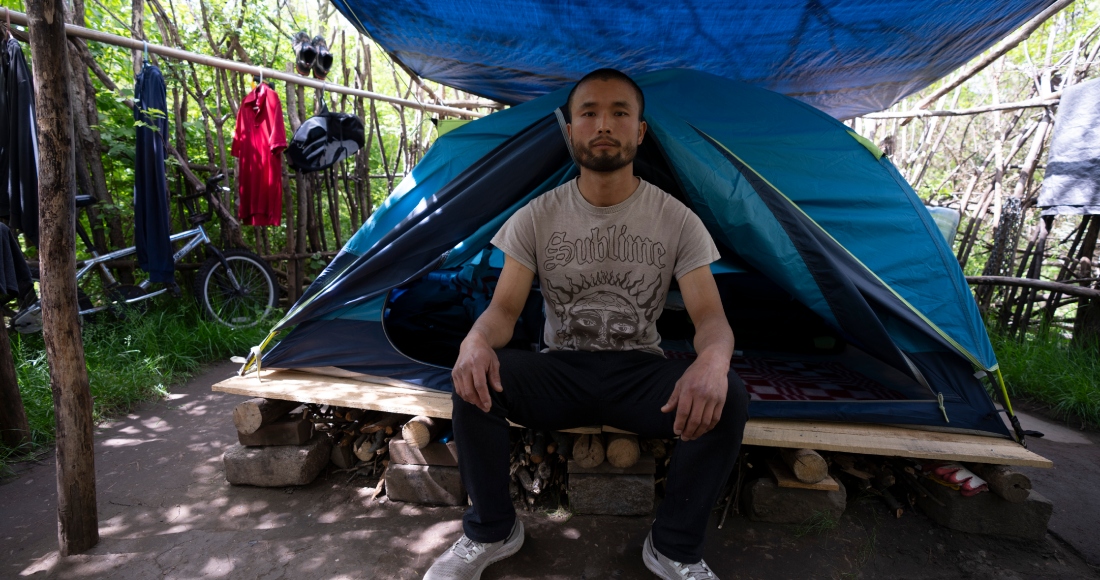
<point>603,321</point>
<point>603,310</point>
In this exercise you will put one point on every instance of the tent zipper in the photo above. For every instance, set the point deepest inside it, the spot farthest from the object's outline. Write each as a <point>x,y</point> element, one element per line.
<point>939,399</point>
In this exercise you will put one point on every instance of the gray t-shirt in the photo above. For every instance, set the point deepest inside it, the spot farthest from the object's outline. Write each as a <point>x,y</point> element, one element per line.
<point>605,271</point>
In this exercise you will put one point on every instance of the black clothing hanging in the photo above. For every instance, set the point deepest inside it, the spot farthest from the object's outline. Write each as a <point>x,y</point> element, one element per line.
<point>18,143</point>
<point>152,223</point>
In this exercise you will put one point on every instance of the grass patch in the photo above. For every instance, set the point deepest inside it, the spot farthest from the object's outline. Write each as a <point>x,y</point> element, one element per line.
<point>817,524</point>
<point>1047,369</point>
<point>128,361</point>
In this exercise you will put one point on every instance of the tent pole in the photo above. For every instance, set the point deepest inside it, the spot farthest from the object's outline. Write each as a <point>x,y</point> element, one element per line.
<point>90,34</point>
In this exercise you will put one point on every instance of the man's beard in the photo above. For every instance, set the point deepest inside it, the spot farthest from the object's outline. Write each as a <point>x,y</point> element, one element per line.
<point>607,161</point>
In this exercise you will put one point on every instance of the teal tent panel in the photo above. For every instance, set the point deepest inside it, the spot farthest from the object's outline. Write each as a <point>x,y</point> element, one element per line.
<point>861,202</point>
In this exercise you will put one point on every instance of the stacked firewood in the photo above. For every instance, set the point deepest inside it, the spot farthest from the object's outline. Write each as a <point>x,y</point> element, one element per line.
<point>360,438</point>
<point>538,466</point>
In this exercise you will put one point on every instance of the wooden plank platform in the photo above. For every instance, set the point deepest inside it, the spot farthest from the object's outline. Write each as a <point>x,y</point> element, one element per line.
<point>397,397</point>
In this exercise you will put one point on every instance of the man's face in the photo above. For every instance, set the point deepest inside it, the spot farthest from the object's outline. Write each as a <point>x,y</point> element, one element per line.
<point>605,128</point>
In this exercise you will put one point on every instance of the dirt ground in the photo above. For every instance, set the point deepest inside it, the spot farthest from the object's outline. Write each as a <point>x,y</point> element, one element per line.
<point>166,511</point>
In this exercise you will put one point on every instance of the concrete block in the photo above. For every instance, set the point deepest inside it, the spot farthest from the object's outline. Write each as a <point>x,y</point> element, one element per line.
<point>987,513</point>
<point>765,501</point>
<point>646,465</point>
<point>277,466</point>
<point>434,453</point>
<point>617,495</point>
<point>425,484</point>
<point>293,429</point>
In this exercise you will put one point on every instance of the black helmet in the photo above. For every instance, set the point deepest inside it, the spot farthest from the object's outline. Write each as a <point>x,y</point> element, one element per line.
<point>323,140</point>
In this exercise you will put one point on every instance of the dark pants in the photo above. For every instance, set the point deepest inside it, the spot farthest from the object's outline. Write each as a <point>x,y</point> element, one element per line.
<point>566,389</point>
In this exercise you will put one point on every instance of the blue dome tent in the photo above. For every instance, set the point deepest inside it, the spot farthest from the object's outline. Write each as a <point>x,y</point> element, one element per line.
<point>828,255</point>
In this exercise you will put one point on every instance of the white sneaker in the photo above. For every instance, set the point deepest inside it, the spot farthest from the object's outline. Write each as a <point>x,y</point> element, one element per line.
<point>670,570</point>
<point>467,559</point>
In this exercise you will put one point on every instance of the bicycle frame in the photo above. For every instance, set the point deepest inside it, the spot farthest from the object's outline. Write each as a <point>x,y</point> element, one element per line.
<point>193,236</point>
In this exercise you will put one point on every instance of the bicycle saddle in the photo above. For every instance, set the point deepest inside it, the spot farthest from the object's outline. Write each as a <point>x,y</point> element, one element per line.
<point>85,201</point>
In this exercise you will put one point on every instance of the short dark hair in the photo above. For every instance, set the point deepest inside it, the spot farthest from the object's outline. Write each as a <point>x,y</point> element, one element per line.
<point>605,74</point>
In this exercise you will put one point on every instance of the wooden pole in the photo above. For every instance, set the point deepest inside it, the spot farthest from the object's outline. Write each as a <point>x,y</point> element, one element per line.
<point>1006,45</point>
<point>77,520</point>
<point>225,64</point>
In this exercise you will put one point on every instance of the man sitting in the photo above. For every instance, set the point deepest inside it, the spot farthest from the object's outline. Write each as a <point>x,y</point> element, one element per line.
<point>606,247</point>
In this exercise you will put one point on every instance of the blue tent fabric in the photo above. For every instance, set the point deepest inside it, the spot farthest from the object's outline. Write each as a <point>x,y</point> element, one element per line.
<point>152,216</point>
<point>845,57</point>
<point>785,190</point>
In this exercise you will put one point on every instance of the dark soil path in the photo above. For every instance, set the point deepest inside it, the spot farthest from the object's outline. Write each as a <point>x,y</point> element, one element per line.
<point>166,511</point>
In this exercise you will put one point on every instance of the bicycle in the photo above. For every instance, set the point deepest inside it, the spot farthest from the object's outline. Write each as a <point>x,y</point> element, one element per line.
<point>234,287</point>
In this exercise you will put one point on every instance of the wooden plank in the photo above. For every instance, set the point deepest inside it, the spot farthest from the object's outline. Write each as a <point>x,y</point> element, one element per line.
<point>397,397</point>
<point>889,441</point>
<point>784,478</point>
<point>357,394</point>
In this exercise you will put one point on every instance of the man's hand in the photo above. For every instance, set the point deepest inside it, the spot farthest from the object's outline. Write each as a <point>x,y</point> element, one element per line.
<point>477,368</point>
<point>698,398</point>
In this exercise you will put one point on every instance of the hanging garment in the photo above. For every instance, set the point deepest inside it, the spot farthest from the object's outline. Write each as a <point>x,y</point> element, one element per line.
<point>258,143</point>
<point>15,275</point>
<point>18,144</point>
<point>152,223</point>
<point>1071,185</point>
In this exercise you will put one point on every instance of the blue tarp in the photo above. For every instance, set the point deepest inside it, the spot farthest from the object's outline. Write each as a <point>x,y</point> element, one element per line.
<point>845,57</point>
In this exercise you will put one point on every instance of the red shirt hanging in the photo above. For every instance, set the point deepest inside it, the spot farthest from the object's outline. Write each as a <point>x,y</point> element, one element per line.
<point>258,143</point>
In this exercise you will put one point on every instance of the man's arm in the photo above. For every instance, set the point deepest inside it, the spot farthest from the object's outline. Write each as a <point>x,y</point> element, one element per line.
<point>700,394</point>
<point>477,366</point>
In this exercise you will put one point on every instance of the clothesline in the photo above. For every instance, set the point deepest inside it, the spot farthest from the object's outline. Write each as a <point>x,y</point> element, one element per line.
<point>95,35</point>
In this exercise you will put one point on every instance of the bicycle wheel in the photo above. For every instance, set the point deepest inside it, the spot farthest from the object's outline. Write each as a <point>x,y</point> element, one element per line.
<point>241,304</point>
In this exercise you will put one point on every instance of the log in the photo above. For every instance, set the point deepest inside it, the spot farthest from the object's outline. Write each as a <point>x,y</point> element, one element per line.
<point>252,414</point>
<point>562,443</point>
<point>422,430</point>
<point>588,450</point>
<point>1010,485</point>
<point>1079,291</point>
<point>386,424</point>
<point>294,429</point>
<point>806,464</point>
<point>539,447</point>
<point>622,450</point>
<point>342,454</point>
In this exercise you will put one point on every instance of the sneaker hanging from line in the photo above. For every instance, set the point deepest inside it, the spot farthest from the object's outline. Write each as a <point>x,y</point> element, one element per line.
<point>323,64</point>
<point>305,54</point>
<point>467,559</point>
<point>670,570</point>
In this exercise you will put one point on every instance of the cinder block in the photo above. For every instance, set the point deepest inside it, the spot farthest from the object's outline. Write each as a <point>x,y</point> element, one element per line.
<point>293,429</point>
<point>277,466</point>
<point>425,484</point>
<point>765,501</point>
<point>434,453</point>
<point>617,495</point>
<point>987,513</point>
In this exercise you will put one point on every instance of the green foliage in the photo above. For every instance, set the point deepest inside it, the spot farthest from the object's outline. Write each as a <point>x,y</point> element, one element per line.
<point>817,524</point>
<point>128,361</point>
<point>1046,368</point>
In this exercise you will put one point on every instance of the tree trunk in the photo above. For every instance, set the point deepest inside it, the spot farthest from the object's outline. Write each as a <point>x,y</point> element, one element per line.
<point>77,521</point>
<point>14,429</point>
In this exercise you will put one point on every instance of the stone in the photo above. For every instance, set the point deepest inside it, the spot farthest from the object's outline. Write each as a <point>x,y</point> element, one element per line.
<point>277,466</point>
<point>294,429</point>
<point>987,513</point>
<point>425,484</point>
<point>434,453</point>
<point>645,465</point>
<point>616,495</point>
<point>765,501</point>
